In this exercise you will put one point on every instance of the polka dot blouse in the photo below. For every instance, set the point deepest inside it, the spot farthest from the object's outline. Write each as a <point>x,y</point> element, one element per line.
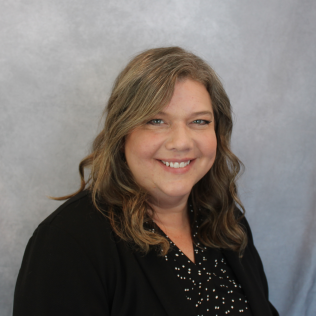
<point>209,283</point>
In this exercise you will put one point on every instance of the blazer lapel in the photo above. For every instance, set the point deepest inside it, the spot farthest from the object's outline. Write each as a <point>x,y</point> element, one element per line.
<point>247,276</point>
<point>165,284</point>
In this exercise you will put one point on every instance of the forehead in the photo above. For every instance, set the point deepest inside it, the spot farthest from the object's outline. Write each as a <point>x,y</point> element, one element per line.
<point>189,97</point>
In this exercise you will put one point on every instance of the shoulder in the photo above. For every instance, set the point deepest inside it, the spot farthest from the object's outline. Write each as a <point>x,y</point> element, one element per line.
<point>243,223</point>
<point>252,256</point>
<point>250,250</point>
<point>72,254</point>
<point>77,217</point>
<point>246,227</point>
<point>79,226</point>
<point>76,208</point>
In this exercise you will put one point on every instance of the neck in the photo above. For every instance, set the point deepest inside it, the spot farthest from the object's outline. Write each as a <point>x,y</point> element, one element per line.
<point>171,217</point>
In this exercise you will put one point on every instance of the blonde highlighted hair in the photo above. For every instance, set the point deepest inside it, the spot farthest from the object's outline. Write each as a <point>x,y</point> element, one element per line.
<point>140,91</point>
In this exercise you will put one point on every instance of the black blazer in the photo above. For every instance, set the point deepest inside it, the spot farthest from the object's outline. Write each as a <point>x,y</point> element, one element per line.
<point>75,265</point>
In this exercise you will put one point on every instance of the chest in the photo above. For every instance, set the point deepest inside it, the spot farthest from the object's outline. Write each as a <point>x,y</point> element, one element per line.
<point>185,244</point>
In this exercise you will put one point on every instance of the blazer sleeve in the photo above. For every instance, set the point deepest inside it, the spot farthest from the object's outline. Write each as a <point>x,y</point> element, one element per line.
<point>57,278</point>
<point>259,264</point>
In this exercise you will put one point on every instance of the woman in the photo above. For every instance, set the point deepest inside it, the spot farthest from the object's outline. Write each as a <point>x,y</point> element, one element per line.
<point>157,228</point>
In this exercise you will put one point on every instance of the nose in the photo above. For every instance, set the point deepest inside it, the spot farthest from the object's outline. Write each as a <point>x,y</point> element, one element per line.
<point>179,138</point>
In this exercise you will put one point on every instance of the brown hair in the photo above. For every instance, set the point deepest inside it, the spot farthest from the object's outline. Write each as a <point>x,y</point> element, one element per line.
<point>140,91</point>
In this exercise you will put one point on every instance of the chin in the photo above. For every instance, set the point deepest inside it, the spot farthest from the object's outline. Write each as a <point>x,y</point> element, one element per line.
<point>179,192</point>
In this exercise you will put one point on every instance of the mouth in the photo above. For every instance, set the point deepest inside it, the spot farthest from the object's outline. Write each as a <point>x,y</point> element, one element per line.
<point>175,164</point>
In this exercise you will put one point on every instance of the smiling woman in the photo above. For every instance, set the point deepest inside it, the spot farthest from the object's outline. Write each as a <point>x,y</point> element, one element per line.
<point>158,228</point>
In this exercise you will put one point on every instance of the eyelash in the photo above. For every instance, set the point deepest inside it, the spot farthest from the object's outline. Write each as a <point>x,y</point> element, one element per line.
<point>151,121</point>
<point>205,122</point>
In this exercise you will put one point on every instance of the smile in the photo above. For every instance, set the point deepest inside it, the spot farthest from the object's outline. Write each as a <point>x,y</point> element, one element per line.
<point>176,164</point>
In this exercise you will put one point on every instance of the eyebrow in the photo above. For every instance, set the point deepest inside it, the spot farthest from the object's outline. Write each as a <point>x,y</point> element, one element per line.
<point>193,114</point>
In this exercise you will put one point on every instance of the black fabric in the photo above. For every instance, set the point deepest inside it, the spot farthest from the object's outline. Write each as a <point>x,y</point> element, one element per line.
<point>75,265</point>
<point>209,284</point>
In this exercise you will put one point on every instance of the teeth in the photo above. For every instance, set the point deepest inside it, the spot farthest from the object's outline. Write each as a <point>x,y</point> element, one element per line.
<point>176,164</point>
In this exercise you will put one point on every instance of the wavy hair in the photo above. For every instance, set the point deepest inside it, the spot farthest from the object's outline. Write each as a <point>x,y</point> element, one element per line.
<point>140,91</point>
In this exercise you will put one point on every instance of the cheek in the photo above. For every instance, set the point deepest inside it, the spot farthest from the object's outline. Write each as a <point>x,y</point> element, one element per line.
<point>208,146</point>
<point>140,146</point>
<point>213,147</point>
<point>140,150</point>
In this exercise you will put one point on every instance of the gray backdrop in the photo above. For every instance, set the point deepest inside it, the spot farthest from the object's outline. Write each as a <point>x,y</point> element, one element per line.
<point>58,62</point>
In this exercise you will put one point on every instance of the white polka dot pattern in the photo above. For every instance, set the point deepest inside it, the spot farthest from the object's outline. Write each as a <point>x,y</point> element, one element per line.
<point>209,284</point>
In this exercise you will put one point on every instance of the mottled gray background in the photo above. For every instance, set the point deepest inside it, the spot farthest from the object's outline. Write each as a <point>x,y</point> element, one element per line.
<point>58,60</point>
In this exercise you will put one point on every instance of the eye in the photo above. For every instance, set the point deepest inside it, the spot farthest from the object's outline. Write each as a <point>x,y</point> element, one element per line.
<point>201,122</point>
<point>156,122</point>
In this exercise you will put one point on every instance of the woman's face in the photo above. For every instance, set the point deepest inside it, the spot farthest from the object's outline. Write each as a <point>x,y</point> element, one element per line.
<point>158,152</point>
